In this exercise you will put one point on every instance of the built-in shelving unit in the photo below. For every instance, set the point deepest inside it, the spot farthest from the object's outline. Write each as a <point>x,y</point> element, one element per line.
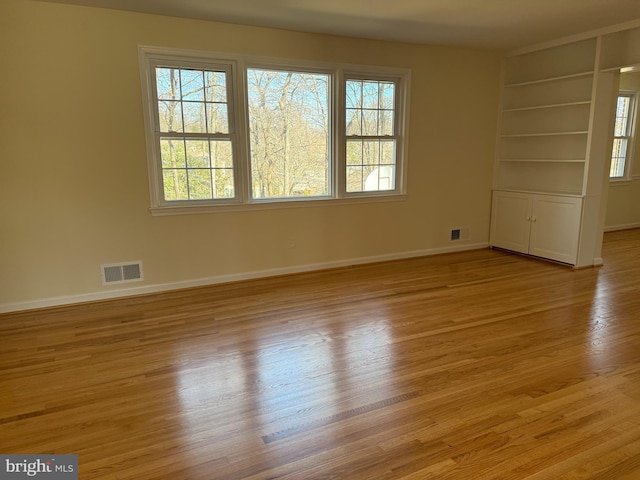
<point>554,146</point>
<point>546,107</point>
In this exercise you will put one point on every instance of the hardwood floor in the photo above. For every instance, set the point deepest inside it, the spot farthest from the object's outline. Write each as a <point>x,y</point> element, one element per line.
<point>475,365</point>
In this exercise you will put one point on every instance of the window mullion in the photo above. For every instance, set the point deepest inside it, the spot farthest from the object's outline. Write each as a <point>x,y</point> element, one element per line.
<point>199,136</point>
<point>339,135</point>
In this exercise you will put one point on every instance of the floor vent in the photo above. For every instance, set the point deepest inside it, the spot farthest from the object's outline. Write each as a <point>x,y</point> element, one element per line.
<point>121,273</point>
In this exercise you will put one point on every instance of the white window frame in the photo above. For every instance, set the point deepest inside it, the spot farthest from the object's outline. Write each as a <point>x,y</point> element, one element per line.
<point>629,136</point>
<point>400,129</point>
<point>237,66</point>
<point>299,67</point>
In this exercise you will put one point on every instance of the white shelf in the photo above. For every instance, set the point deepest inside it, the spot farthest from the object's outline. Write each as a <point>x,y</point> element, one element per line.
<point>543,107</point>
<point>588,73</point>
<point>561,193</point>
<point>572,118</point>
<point>550,147</point>
<point>543,134</point>
<point>543,160</point>
<point>571,90</point>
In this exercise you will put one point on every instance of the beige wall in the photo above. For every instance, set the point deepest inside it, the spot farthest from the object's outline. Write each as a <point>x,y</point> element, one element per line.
<point>623,204</point>
<point>73,183</point>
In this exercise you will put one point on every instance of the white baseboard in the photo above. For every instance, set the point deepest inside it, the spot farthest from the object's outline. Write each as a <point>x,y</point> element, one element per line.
<point>146,289</point>
<point>614,228</point>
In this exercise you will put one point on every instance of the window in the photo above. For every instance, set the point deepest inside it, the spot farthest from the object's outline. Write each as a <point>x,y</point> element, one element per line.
<point>622,135</point>
<point>237,131</point>
<point>193,133</point>
<point>289,128</point>
<point>370,132</point>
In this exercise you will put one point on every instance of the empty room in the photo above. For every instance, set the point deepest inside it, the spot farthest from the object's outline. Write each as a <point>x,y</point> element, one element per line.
<point>266,239</point>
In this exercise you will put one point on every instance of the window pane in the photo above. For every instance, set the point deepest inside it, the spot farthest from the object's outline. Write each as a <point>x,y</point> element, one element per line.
<point>354,121</point>
<point>371,152</point>
<point>380,179</point>
<point>199,184</point>
<point>387,152</point>
<point>354,94</point>
<point>195,169</point>
<point>354,179</point>
<point>216,86</point>
<point>387,95</point>
<point>370,165</point>
<point>622,116</point>
<point>217,118</point>
<point>197,153</point>
<point>370,108</point>
<point>221,154</point>
<point>170,116</point>
<point>172,152</point>
<point>385,122</point>
<point>370,122</point>
<point>354,152</point>
<point>194,117</point>
<point>618,157</point>
<point>370,98</point>
<point>208,173</point>
<point>192,85</point>
<point>168,83</point>
<point>175,184</point>
<point>289,133</point>
<point>192,101</point>
<point>370,178</point>
<point>223,183</point>
<point>622,134</point>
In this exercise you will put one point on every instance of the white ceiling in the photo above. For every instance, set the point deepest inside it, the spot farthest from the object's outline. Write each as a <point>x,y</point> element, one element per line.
<point>492,24</point>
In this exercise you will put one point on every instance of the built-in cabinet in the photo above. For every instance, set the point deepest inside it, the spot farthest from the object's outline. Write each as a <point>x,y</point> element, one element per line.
<point>554,147</point>
<point>546,226</point>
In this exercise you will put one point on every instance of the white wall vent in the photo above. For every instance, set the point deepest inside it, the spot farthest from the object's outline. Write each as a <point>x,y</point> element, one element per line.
<point>121,273</point>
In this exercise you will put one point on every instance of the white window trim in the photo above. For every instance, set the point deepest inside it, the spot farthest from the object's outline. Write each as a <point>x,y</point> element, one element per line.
<point>238,64</point>
<point>400,125</point>
<point>306,67</point>
<point>627,177</point>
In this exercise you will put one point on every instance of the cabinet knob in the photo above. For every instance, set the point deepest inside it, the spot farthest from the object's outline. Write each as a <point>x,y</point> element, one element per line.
<point>534,219</point>
<point>528,218</point>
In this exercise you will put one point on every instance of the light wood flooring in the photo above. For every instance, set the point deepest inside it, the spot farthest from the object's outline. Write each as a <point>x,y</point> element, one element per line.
<point>467,366</point>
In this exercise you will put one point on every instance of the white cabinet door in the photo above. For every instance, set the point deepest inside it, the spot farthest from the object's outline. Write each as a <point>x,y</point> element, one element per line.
<point>555,227</point>
<point>546,226</point>
<point>510,221</point>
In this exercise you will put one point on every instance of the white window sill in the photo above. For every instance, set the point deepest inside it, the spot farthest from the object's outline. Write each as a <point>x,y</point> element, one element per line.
<point>183,209</point>
<point>618,182</point>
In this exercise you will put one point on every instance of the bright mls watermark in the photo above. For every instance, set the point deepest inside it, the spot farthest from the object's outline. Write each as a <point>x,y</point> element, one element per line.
<point>49,467</point>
